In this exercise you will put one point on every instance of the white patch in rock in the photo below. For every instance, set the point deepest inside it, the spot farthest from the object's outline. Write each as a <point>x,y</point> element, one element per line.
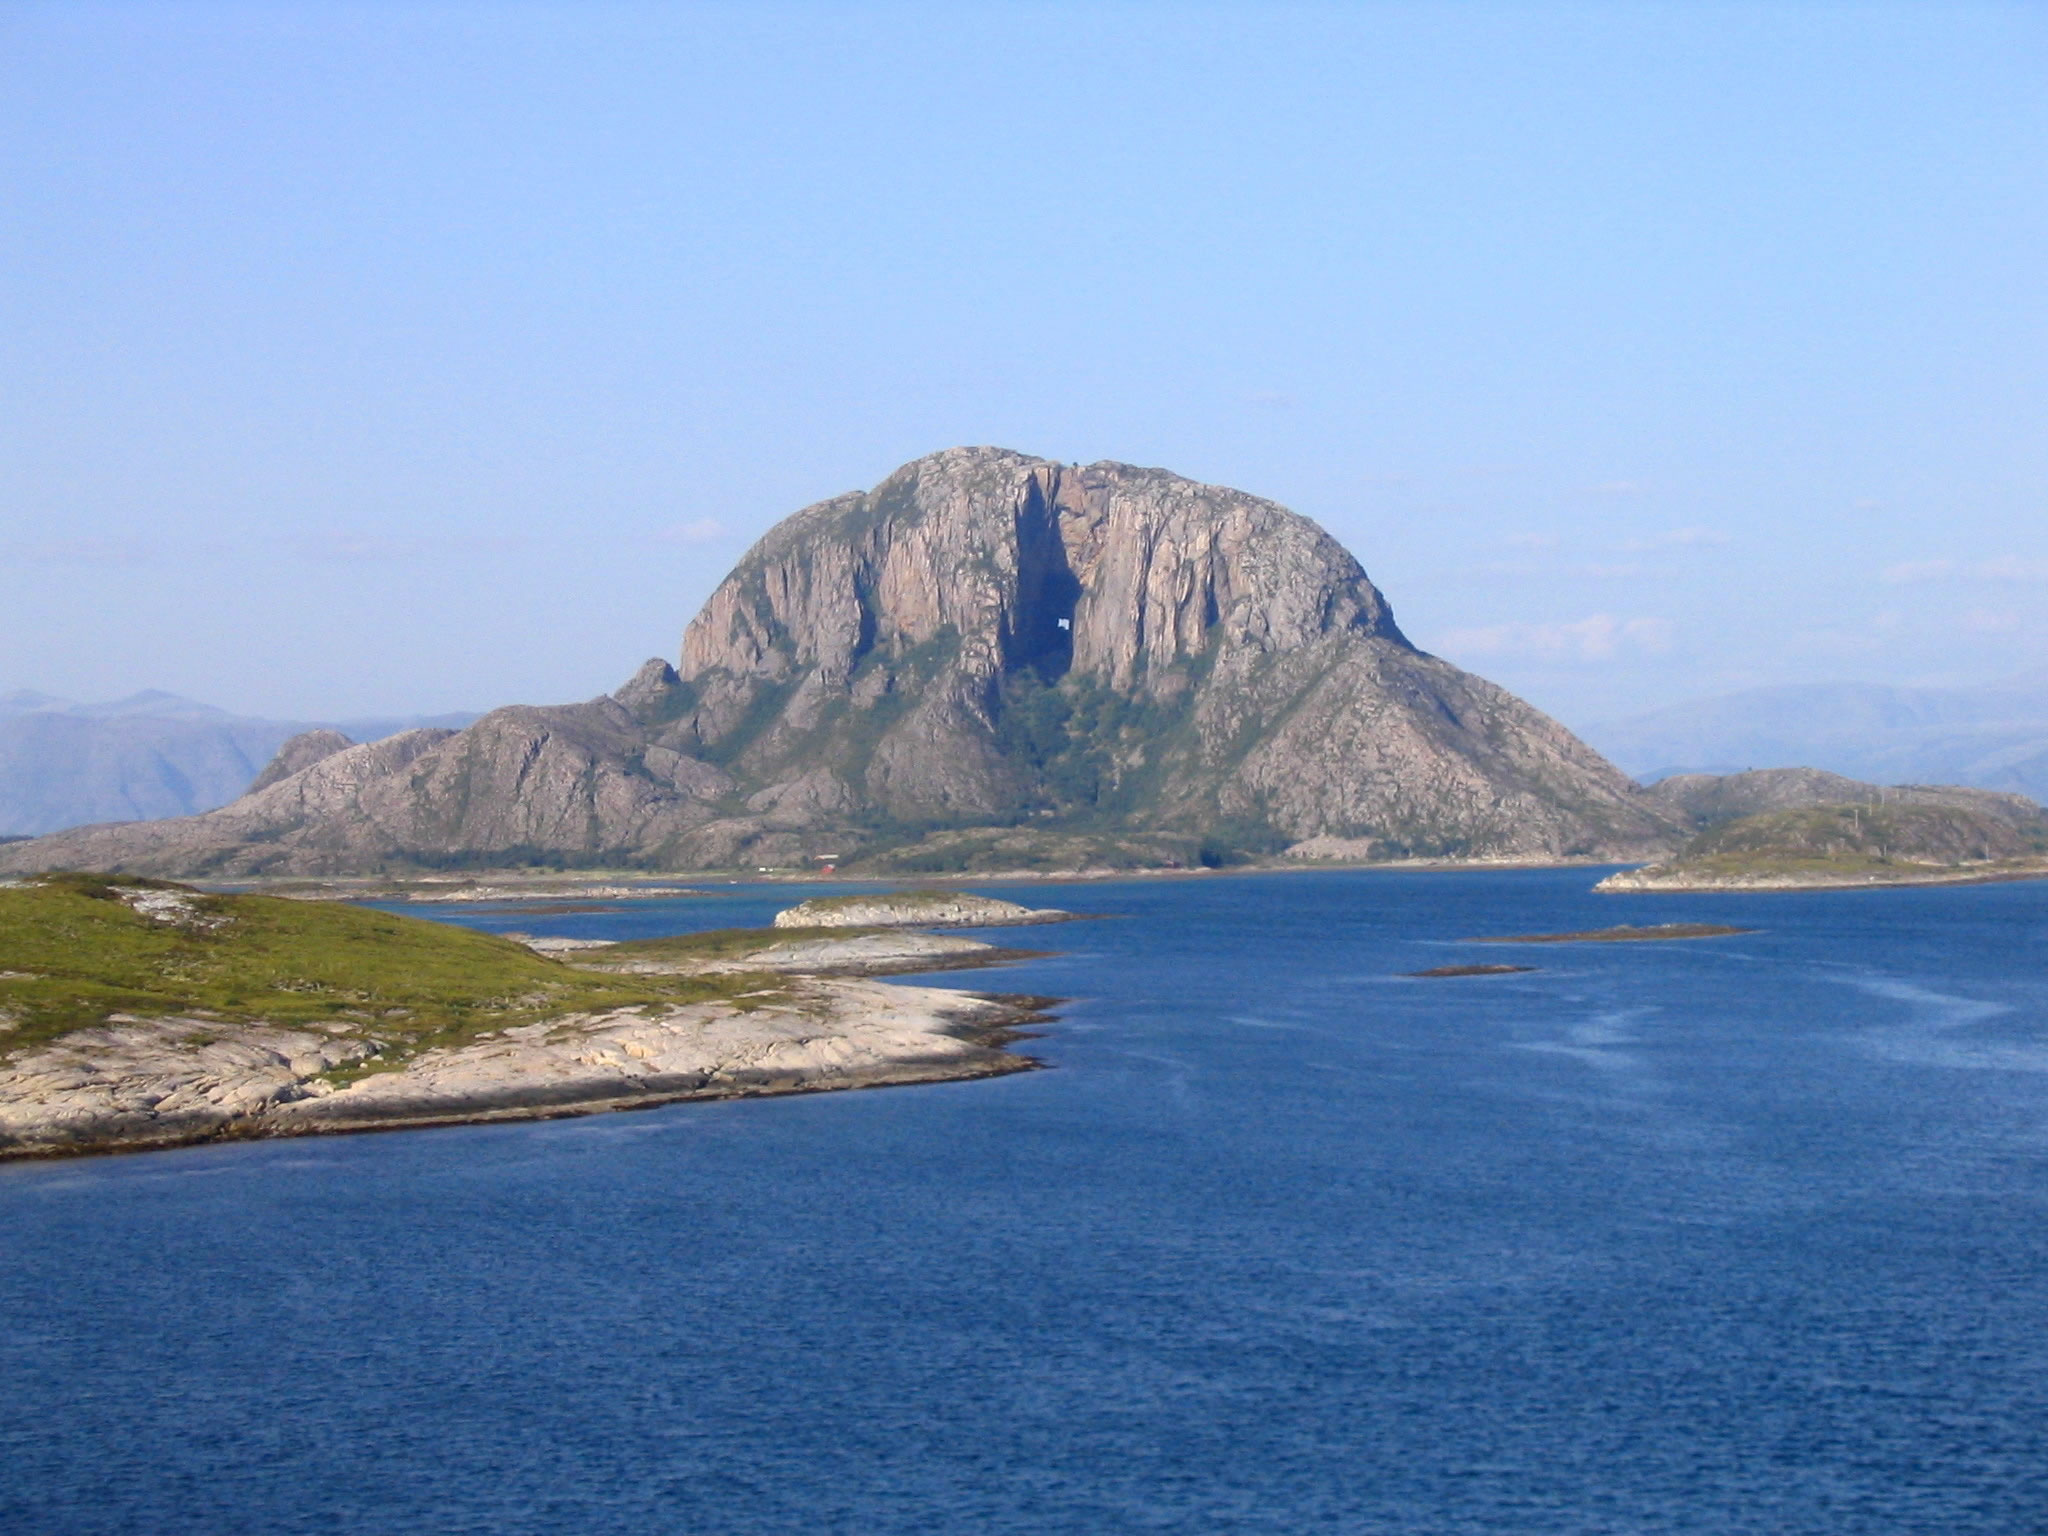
<point>173,908</point>
<point>915,909</point>
<point>548,944</point>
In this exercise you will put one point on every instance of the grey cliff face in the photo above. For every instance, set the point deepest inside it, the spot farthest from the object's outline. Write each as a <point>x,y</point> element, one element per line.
<point>984,640</point>
<point>1111,572</point>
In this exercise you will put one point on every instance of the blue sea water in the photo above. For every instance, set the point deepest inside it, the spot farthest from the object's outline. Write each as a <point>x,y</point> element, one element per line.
<point>1735,1235</point>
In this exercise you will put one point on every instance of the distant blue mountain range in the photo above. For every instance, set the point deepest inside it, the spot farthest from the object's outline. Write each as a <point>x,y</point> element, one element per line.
<point>1993,737</point>
<point>150,755</point>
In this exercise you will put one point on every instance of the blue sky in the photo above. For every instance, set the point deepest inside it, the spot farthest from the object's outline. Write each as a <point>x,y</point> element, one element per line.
<point>391,358</point>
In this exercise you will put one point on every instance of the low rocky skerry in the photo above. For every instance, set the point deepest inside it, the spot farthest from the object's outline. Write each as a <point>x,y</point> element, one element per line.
<point>1621,933</point>
<point>915,909</point>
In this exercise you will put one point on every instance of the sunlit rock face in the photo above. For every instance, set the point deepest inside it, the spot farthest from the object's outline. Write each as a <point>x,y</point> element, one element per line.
<point>984,640</point>
<point>989,634</point>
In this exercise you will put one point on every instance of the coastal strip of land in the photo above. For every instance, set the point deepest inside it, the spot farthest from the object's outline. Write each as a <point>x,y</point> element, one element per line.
<point>146,1015</point>
<point>1816,875</point>
<point>136,1084</point>
<point>1912,835</point>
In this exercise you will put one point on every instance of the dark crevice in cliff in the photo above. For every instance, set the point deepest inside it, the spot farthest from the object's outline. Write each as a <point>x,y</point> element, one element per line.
<point>1041,634</point>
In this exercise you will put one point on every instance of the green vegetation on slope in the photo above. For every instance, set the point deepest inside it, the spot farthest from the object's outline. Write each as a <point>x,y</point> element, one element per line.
<point>1783,866</point>
<point>870,898</point>
<point>1046,848</point>
<point>1935,834</point>
<point>1863,840</point>
<point>714,944</point>
<point>75,949</point>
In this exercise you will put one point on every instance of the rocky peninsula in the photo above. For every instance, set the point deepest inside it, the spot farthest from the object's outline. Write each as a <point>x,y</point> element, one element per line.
<point>139,1014</point>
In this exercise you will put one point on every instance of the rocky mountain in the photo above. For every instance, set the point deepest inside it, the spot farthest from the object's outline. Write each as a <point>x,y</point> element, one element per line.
<point>150,755</point>
<point>989,660</point>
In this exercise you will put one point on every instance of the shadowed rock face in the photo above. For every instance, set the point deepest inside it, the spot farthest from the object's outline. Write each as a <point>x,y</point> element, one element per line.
<point>985,639</point>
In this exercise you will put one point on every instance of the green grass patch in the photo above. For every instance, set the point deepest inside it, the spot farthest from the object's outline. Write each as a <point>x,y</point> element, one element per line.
<point>1870,838</point>
<point>893,898</point>
<point>715,944</point>
<point>77,951</point>
<point>1736,866</point>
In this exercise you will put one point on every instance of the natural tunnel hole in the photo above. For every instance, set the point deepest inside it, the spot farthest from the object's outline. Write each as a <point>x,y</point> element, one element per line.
<point>1041,637</point>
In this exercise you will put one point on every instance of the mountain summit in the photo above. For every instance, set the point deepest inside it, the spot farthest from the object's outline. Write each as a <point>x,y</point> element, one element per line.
<point>988,660</point>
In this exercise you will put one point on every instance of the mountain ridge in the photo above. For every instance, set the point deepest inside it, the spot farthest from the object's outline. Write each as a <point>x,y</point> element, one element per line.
<point>146,757</point>
<point>986,645</point>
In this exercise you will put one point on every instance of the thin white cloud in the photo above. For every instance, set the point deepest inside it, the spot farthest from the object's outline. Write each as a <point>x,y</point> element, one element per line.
<point>82,551</point>
<point>1531,541</point>
<point>1595,570</point>
<point>359,546</point>
<point>1834,644</point>
<point>1999,568</point>
<point>1992,621</point>
<point>1677,538</point>
<point>347,546</point>
<point>703,530</point>
<point>1598,637</point>
<point>1909,571</point>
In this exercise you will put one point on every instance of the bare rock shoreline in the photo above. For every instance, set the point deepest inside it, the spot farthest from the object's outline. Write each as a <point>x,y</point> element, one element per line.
<point>145,1084</point>
<point>158,1015</point>
<point>896,953</point>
